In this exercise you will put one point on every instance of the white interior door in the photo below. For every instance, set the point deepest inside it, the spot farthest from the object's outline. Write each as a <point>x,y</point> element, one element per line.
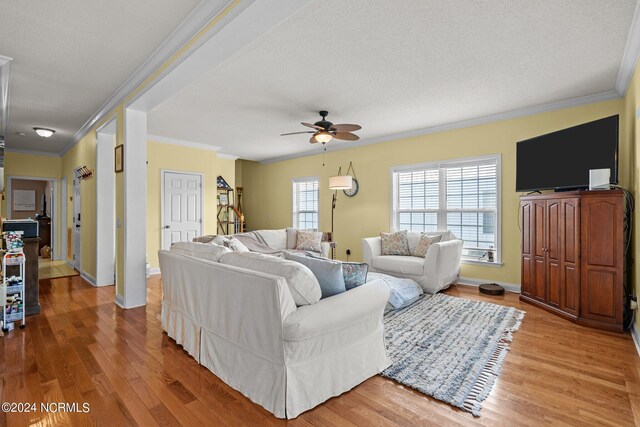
<point>182,210</point>
<point>77,223</point>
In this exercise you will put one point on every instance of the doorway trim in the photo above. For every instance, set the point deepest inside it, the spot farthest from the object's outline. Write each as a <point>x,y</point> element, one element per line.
<point>76,263</point>
<point>106,204</point>
<point>54,218</point>
<point>162,191</point>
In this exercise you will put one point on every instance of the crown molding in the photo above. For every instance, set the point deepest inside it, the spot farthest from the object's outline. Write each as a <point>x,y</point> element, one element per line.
<point>630,56</point>
<point>227,156</point>
<point>197,19</point>
<point>507,115</point>
<point>183,143</point>
<point>32,153</point>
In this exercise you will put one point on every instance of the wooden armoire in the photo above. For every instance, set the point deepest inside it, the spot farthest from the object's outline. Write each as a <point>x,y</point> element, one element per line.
<point>573,255</point>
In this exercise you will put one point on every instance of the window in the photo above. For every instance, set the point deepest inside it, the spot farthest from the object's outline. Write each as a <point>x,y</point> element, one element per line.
<point>305,203</point>
<point>459,195</point>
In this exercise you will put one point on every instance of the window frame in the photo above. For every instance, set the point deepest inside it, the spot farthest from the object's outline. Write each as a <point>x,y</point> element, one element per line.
<point>440,164</point>
<point>294,204</point>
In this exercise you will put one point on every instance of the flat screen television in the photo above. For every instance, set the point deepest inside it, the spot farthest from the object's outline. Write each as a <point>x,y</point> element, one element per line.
<point>561,160</point>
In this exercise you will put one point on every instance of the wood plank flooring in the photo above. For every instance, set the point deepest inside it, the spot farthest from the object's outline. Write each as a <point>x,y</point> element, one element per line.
<point>82,348</point>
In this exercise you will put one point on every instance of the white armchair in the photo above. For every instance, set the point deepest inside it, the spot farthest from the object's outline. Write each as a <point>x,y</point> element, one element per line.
<point>436,271</point>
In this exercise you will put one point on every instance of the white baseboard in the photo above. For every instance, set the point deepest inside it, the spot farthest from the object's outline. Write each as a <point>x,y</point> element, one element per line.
<point>154,271</point>
<point>635,334</point>
<point>88,278</point>
<point>511,287</point>
<point>119,301</point>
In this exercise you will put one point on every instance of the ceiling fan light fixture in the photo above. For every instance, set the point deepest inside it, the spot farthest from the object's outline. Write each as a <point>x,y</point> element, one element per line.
<point>340,182</point>
<point>44,132</point>
<point>323,136</point>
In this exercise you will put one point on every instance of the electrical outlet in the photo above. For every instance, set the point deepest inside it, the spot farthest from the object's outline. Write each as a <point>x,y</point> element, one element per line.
<point>633,305</point>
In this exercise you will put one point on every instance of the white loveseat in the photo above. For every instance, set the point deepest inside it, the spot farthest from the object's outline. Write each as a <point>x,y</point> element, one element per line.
<point>436,271</point>
<point>244,326</point>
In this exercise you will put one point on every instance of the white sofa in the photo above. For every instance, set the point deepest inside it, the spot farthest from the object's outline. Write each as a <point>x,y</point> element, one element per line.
<point>280,240</point>
<point>436,271</point>
<point>244,326</point>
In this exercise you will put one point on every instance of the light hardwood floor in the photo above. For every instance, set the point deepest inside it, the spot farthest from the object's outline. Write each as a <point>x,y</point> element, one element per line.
<point>82,348</point>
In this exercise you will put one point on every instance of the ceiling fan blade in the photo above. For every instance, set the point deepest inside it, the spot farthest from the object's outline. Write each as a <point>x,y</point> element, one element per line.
<point>309,125</point>
<point>313,140</point>
<point>346,136</point>
<point>297,133</point>
<point>346,128</point>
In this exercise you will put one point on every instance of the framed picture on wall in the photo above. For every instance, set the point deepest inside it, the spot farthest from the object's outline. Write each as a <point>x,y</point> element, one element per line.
<point>119,160</point>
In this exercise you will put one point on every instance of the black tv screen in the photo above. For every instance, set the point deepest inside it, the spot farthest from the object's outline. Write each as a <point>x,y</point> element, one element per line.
<point>562,159</point>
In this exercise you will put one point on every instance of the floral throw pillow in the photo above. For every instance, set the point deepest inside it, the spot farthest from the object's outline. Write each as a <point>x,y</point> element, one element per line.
<point>424,243</point>
<point>309,241</point>
<point>354,273</point>
<point>395,243</point>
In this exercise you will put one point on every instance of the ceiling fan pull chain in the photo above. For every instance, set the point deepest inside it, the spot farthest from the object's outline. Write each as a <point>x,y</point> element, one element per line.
<point>324,149</point>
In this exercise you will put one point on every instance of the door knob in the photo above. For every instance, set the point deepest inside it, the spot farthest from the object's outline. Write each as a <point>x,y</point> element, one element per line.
<point>167,226</point>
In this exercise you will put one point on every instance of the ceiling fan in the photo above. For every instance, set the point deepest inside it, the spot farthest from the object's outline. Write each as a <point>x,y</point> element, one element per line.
<point>324,130</point>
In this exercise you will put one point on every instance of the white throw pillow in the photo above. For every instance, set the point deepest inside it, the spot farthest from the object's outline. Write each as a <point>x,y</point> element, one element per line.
<point>309,241</point>
<point>209,251</point>
<point>303,285</point>
<point>236,245</point>
<point>292,238</point>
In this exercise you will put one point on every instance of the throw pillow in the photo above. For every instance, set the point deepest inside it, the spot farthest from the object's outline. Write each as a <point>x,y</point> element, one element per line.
<point>236,245</point>
<point>309,241</point>
<point>328,273</point>
<point>395,243</point>
<point>424,243</point>
<point>354,273</point>
<point>292,238</point>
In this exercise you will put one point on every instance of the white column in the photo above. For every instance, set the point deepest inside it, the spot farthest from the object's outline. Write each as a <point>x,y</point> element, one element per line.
<point>135,208</point>
<point>105,205</point>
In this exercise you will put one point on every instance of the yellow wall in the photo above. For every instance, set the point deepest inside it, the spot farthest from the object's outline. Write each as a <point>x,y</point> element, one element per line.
<point>29,165</point>
<point>184,159</point>
<point>83,154</point>
<point>632,104</point>
<point>268,198</point>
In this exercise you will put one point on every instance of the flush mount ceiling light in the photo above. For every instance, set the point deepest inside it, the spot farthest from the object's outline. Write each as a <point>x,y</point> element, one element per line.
<point>44,132</point>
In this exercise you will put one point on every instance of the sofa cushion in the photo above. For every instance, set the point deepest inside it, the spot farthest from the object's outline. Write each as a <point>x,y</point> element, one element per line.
<point>308,240</point>
<point>395,243</point>
<point>424,243</point>
<point>354,273</point>
<point>303,285</point>
<point>399,264</point>
<point>209,251</point>
<point>275,239</point>
<point>328,273</point>
<point>292,237</point>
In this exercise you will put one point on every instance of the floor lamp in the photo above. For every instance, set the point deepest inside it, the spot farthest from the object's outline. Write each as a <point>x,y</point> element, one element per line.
<point>338,182</point>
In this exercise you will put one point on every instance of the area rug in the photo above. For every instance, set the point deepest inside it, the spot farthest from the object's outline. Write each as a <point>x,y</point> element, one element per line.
<point>450,348</point>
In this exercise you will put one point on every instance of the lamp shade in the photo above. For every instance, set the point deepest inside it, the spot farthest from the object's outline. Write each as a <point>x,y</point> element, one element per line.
<point>340,182</point>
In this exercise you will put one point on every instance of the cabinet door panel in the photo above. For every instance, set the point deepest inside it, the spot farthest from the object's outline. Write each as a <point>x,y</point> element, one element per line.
<point>553,283</point>
<point>571,289</point>
<point>539,280</point>
<point>570,255</point>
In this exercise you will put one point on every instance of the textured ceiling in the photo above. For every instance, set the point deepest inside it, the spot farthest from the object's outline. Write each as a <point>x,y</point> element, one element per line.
<point>70,56</point>
<point>398,66</point>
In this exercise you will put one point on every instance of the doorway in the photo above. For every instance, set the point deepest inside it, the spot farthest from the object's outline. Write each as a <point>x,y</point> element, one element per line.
<point>36,198</point>
<point>181,207</point>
